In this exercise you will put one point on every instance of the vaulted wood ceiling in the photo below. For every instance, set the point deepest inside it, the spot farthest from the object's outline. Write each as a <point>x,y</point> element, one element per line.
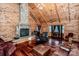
<point>43,13</point>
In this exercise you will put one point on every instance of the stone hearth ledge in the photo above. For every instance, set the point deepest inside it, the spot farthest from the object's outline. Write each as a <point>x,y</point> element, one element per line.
<point>20,40</point>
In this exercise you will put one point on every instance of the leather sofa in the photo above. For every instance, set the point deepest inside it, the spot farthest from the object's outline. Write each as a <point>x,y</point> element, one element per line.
<point>6,48</point>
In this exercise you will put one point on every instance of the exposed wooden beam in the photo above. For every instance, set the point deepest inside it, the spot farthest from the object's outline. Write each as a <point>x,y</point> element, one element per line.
<point>38,15</point>
<point>32,14</point>
<point>57,12</point>
<point>42,16</point>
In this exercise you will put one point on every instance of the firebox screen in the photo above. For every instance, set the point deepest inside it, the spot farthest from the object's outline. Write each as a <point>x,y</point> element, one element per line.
<point>24,32</point>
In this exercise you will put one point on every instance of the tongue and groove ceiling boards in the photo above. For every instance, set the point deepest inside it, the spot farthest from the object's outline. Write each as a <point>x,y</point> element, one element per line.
<point>45,13</point>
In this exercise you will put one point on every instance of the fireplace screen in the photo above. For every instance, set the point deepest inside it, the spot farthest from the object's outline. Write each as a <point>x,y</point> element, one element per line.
<point>24,32</point>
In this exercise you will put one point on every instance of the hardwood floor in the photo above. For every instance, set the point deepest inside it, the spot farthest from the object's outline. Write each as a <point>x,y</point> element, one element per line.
<point>24,49</point>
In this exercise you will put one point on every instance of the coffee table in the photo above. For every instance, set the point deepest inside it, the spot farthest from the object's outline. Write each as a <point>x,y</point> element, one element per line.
<point>41,50</point>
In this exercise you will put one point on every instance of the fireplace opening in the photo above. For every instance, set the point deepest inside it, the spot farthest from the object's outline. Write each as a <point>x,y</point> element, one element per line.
<point>24,32</point>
